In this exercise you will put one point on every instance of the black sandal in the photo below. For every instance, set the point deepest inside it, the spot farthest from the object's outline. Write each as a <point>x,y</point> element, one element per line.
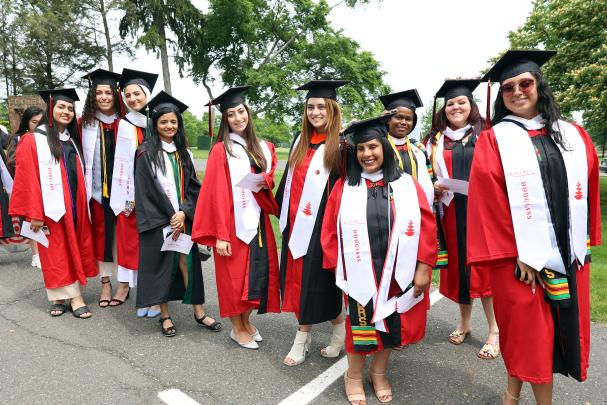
<point>58,307</point>
<point>108,301</point>
<point>80,311</point>
<point>118,301</point>
<point>215,326</point>
<point>170,331</point>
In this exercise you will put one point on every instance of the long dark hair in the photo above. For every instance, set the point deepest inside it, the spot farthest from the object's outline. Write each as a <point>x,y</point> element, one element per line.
<point>391,169</point>
<point>89,114</point>
<point>546,104</point>
<point>441,121</point>
<point>155,143</point>
<point>23,129</point>
<point>52,134</point>
<point>250,136</point>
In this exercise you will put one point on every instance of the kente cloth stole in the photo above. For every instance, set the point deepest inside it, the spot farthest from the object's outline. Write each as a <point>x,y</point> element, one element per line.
<point>363,331</point>
<point>557,289</point>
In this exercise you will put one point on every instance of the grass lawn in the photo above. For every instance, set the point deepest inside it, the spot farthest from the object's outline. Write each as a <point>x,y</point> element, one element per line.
<point>598,268</point>
<point>281,153</point>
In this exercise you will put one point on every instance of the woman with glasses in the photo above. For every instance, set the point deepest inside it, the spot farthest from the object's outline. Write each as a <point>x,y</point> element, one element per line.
<point>534,212</point>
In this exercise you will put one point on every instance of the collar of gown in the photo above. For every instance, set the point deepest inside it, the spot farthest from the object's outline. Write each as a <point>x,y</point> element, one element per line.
<point>399,141</point>
<point>169,147</point>
<point>106,119</point>
<point>374,177</point>
<point>534,123</point>
<point>137,119</point>
<point>457,134</point>
<point>238,139</point>
<point>64,136</point>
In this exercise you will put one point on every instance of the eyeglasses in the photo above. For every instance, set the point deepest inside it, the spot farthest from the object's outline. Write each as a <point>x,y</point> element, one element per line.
<point>526,85</point>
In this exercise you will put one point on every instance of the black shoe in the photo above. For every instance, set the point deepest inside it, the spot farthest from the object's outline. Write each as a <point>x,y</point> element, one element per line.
<point>170,331</point>
<point>215,326</point>
<point>58,307</point>
<point>108,301</point>
<point>128,294</point>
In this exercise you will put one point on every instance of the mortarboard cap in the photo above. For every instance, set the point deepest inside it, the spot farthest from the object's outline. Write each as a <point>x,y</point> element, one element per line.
<point>130,76</point>
<point>514,63</point>
<point>102,76</point>
<point>369,129</point>
<point>455,88</point>
<point>164,99</point>
<point>323,88</point>
<point>230,98</point>
<point>68,95</point>
<point>409,99</point>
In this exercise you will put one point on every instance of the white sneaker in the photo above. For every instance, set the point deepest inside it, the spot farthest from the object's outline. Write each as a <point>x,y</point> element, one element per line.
<point>36,262</point>
<point>249,345</point>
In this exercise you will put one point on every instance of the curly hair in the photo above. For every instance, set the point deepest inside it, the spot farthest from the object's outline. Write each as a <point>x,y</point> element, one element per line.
<point>441,121</point>
<point>89,113</point>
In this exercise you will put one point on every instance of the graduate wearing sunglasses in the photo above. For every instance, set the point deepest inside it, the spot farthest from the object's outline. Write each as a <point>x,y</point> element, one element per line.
<point>382,258</point>
<point>534,212</point>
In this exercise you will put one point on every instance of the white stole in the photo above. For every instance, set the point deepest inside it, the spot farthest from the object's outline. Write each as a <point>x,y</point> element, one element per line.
<point>354,274</point>
<point>439,159</point>
<point>7,179</point>
<point>526,190</point>
<point>246,208</point>
<point>90,134</point>
<point>423,177</point>
<point>311,196</point>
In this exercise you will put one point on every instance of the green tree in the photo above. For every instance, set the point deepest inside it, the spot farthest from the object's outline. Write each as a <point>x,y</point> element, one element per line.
<point>425,120</point>
<point>277,133</point>
<point>577,29</point>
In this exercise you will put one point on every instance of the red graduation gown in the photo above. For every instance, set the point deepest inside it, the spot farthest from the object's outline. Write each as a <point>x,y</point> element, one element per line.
<point>525,318</point>
<point>69,257</point>
<point>214,219</point>
<point>127,238</point>
<point>412,322</point>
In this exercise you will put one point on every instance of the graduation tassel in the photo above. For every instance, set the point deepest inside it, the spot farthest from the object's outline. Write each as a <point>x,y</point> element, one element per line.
<point>106,194</point>
<point>50,109</point>
<point>433,111</point>
<point>147,122</point>
<point>487,120</point>
<point>121,102</point>
<point>210,120</point>
<point>89,76</point>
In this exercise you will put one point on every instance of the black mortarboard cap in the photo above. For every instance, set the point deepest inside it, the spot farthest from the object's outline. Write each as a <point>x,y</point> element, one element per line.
<point>455,88</point>
<point>164,99</point>
<point>323,88</point>
<point>514,63</point>
<point>369,129</point>
<point>102,76</point>
<point>68,95</point>
<point>409,99</point>
<point>230,98</point>
<point>130,76</point>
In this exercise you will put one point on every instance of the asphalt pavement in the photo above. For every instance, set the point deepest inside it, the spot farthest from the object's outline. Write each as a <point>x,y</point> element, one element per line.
<point>117,358</point>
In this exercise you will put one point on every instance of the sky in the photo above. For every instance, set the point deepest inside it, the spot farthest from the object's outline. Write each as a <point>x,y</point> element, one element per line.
<point>418,43</point>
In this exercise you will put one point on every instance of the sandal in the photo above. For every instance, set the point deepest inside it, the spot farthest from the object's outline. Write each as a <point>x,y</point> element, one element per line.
<point>490,351</point>
<point>513,398</point>
<point>170,331</point>
<point>354,397</point>
<point>380,393</point>
<point>118,301</point>
<point>78,312</point>
<point>58,307</point>
<point>106,301</point>
<point>215,326</point>
<point>458,334</point>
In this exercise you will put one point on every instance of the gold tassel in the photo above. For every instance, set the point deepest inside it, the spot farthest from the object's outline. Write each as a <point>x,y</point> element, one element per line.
<point>413,165</point>
<point>400,162</point>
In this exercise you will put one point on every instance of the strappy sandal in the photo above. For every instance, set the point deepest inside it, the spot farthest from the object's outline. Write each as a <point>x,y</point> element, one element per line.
<point>78,312</point>
<point>513,398</point>
<point>380,393</point>
<point>458,334</point>
<point>490,350</point>
<point>128,294</point>
<point>58,307</point>
<point>106,301</point>
<point>354,397</point>
<point>215,326</point>
<point>170,331</point>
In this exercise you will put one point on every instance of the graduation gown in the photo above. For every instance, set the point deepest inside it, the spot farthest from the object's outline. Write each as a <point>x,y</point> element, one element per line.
<point>562,335</point>
<point>159,279</point>
<point>250,277</point>
<point>103,217</point>
<point>307,289</point>
<point>69,257</point>
<point>405,328</point>
<point>460,282</point>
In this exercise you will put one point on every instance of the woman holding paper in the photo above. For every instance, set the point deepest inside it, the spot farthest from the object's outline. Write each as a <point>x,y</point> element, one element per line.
<point>382,258</point>
<point>534,213</point>
<point>235,220</point>
<point>50,192</point>
<point>166,191</point>
<point>452,141</point>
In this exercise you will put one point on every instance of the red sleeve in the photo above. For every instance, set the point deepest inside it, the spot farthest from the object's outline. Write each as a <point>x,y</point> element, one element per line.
<point>328,235</point>
<point>491,239</point>
<point>80,128</point>
<point>265,198</point>
<point>26,199</point>
<point>594,198</point>
<point>427,251</point>
<point>214,208</point>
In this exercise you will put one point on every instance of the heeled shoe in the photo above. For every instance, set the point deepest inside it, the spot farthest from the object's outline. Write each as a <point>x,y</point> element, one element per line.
<point>354,397</point>
<point>128,294</point>
<point>248,345</point>
<point>106,301</point>
<point>300,349</point>
<point>338,341</point>
<point>380,393</point>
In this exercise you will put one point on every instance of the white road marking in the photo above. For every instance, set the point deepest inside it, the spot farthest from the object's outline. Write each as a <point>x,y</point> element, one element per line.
<point>176,397</point>
<point>314,388</point>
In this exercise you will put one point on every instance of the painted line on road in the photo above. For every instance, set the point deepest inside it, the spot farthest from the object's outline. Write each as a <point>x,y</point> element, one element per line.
<point>176,397</point>
<point>314,388</point>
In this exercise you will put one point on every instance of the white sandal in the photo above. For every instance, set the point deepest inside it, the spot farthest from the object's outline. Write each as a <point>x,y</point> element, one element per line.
<point>513,398</point>
<point>354,397</point>
<point>300,349</point>
<point>380,393</point>
<point>338,341</point>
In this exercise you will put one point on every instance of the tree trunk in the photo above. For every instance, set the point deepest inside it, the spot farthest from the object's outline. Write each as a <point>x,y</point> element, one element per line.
<point>110,62</point>
<point>164,56</point>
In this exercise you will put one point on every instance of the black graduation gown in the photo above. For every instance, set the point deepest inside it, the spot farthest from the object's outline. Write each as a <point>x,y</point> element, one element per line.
<point>159,278</point>
<point>7,221</point>
<point>406,159</point>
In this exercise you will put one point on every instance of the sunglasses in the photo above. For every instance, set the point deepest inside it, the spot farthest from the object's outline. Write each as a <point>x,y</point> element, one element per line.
<point>526,85</point>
